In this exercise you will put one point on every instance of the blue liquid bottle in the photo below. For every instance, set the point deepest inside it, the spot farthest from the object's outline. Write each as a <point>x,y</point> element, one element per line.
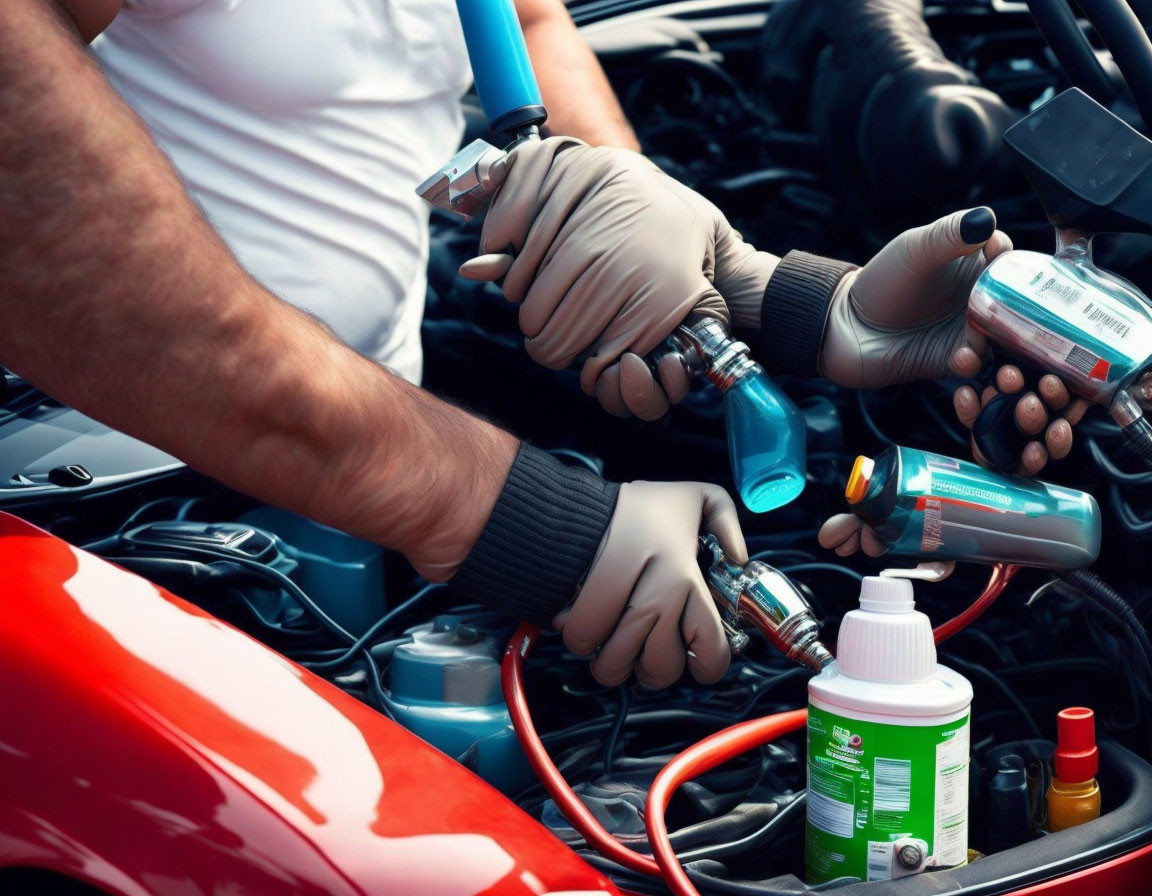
<point>766,436</point>
<point>765,442</point>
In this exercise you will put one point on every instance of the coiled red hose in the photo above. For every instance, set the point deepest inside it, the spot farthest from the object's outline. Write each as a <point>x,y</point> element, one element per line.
<point>578,815</point>
<point>695,761</point>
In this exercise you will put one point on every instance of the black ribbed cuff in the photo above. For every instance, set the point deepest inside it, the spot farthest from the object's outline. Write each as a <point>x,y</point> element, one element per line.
<point>540,540</point>
<point>795,307</point>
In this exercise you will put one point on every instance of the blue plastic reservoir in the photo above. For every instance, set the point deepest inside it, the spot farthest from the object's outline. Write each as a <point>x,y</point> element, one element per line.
<point>343,574</point>
<point>766,442</point>
<point>445,688</point>
<point>500,64</point>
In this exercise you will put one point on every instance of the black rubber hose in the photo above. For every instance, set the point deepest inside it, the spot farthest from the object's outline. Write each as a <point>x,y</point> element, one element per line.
<point>1107,598</point>
<point>1058,26</point>
<point>1138,436</point>
<point>1123,34</point>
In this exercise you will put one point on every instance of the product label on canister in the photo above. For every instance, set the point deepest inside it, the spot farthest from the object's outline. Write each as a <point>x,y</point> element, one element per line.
<point>871,784</point>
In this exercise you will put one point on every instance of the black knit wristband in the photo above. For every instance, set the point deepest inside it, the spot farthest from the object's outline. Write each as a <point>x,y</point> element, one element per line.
<point>540,540</point>
<point>795,307</point>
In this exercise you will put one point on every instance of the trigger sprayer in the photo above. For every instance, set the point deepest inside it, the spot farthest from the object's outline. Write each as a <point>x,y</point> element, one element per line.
<point>766,436</point>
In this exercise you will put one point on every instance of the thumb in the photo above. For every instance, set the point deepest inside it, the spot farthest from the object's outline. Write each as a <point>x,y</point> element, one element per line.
<point>721,519</point>
<point>951,237</point>
<point>491,267</point>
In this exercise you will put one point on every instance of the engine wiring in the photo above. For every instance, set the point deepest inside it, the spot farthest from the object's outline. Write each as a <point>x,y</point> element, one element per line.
<point>764,177</point>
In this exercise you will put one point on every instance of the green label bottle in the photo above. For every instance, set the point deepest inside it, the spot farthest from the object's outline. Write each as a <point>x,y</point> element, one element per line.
<point>888,747</point>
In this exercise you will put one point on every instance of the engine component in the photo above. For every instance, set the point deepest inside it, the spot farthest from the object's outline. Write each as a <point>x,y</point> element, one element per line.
<point>897,120</point>
<point>445,687</point>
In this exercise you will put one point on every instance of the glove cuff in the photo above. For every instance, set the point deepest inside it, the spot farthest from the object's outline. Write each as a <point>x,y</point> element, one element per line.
<point>540,540</point>
<point>794,310</point>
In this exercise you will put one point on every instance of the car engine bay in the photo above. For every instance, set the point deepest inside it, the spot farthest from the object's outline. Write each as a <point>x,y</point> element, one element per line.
<point>807,138</point>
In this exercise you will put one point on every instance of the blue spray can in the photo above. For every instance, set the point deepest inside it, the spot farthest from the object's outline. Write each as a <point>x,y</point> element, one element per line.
<point>934,507</point>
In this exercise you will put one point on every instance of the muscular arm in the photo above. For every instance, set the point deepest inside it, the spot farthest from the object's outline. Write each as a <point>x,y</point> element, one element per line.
<point>117,298</point>
<point>579,99</point>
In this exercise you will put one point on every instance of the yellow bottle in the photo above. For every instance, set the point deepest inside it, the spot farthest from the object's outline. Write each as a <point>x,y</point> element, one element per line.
<point>1074,795</point>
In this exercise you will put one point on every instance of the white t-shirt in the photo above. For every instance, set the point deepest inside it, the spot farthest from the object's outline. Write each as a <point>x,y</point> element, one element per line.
<point>302,127</point>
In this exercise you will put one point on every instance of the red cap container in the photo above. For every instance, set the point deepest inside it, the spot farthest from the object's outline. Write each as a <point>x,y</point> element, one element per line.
<point>1076,756</point>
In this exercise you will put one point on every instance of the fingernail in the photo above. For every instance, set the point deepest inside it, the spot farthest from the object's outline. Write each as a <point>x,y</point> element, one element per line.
<point>977,226</point>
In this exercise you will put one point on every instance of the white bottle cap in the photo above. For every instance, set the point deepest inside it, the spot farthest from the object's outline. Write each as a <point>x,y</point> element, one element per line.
<point>886,595</point>
<point>886,639</point>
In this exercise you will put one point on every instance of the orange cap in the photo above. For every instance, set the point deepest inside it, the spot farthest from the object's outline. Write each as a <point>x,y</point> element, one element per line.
<point>858,479</point>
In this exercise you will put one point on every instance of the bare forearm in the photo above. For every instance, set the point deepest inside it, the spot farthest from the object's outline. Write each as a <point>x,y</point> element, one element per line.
<point>120,300</point>
<point>578,96</point>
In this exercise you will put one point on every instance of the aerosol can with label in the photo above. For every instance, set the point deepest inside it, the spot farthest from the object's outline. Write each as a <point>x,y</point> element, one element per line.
<point>935,507</point>
<point>1067,316</point>
<point>888,745</point>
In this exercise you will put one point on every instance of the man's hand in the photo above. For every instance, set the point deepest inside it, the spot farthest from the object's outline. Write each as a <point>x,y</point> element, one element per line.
<point>1032,415</point>
<point>903,317</point>
<point>606,255</point>
<point>846,533</point>
<point>644,606</point>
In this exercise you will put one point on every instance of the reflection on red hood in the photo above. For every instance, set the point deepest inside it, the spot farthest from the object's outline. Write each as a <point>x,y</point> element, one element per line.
<point>149,747</point>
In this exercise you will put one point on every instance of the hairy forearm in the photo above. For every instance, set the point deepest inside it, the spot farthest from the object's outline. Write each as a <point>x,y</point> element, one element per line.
<point>578,97</point>
<point>120,300</point>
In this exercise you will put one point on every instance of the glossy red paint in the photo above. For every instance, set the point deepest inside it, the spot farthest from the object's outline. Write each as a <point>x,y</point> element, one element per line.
<point>149,748</point>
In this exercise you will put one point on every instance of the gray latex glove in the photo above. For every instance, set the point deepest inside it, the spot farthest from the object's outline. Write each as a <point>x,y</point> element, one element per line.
<point>645,605</point>
<point>846,533</point>
<point>606,255</point>
<point>903,317</point>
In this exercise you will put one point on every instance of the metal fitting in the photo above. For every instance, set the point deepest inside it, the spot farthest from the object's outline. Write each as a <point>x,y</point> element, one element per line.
<point>466,183</point>
<point>704,347</point>
<point>765,597</point>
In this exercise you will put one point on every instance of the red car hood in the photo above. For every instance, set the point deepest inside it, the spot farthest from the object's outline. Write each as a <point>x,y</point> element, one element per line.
<point>150,748</point>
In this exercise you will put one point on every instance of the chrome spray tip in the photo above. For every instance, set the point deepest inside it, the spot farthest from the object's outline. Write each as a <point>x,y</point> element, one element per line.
<point>759,594</point>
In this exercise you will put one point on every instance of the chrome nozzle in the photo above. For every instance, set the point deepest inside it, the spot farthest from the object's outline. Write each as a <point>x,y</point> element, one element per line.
<point>763,596</point>
<point>705,347</point>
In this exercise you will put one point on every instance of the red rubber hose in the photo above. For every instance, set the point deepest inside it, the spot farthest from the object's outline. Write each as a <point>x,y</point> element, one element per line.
<point>1000,577</point>
<point>578,815</point>
<point>693,762</point>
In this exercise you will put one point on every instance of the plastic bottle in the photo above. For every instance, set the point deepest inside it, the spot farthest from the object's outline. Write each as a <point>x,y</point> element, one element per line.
<point>1074,795</point>
<point>765,442</point>
<point>938,508</point>
<point>766,431</point>
<point>888,742</point>
<point>1067,316</point>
